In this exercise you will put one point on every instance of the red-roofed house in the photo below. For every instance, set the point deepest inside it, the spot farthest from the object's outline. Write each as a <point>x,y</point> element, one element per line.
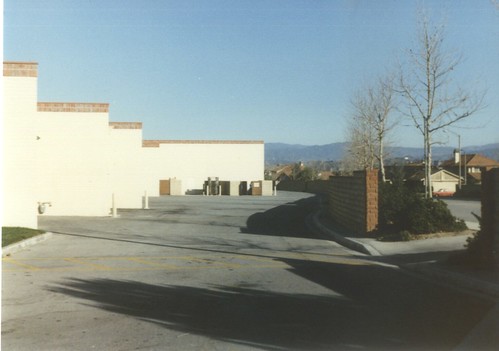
<point>470,166</point>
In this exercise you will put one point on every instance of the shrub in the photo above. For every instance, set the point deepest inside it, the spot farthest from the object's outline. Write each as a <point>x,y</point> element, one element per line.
<point>431,216</point>
<point>401,209</point>
<point>478,248</point>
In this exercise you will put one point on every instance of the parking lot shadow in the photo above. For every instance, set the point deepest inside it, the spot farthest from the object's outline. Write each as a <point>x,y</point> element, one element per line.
<point>284,220</point>
<point>240,315</point>
<point>367,307</point>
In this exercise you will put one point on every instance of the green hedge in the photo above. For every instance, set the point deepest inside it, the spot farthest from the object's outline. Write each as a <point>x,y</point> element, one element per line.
<point>403,210</point>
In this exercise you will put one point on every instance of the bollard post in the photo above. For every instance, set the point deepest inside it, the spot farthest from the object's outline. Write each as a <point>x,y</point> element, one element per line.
<point>114,213</point>
<point>146,201</point>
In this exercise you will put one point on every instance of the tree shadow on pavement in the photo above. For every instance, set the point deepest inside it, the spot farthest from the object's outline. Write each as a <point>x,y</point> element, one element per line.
<point>285,220</point>
<point>369,307</point>
<point>418,314</point>
<point>408,258</point>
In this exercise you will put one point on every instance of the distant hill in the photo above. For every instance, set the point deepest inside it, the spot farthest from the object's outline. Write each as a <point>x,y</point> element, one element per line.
<point>279,153</point>
<point>289,153</point>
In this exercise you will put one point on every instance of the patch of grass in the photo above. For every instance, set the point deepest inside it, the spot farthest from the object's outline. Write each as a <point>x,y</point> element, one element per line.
<point>11,235</point>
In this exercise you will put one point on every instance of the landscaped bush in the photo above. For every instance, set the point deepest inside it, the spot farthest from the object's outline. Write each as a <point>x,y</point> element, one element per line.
<point>401,209</point>
<point>478,252</point>
<point>431,216</point>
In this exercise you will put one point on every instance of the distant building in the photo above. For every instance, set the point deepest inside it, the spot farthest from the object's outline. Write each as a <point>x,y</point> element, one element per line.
<point>281,172</point>
<point>470,166</point>
<point>67,158</point>
<point>441,180</point>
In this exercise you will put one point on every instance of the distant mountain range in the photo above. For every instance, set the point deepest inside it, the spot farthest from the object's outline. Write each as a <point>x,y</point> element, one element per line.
<point>279,153</point>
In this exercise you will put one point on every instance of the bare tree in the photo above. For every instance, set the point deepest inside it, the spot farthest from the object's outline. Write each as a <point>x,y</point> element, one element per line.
<point>370,124</point>
<point>432,101</point>
<point>382,103</point>
<point>360,152</point>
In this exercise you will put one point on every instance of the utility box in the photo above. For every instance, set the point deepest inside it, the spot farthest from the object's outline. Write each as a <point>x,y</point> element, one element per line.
<point>267,188</point>
<point>243,188</point>
<point>170,187</point>
<point>230,188</point>
<point>256,188</point>
<point>176,187</point>
<point>212,186</point>
<point>234,188</point>
<point>262,188</point>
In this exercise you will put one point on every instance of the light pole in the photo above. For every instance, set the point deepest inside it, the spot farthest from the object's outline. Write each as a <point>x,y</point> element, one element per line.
<point>459,159</point>
<point>459,150</point>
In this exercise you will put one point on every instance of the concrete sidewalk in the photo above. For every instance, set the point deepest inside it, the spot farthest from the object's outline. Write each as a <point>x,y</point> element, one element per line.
<point>427,257</point>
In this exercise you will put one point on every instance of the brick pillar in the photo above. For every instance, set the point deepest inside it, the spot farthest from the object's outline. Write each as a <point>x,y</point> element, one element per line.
<point>371,200</point>
<point>490,213</point>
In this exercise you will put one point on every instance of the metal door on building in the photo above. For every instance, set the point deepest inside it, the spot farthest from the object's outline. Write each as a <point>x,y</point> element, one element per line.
<point>164,187</point>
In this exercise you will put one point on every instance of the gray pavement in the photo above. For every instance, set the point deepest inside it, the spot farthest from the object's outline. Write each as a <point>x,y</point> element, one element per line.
<point>464,209</point>
<point>428,259</point>
<point>220,273</point>
<point>428,256</point>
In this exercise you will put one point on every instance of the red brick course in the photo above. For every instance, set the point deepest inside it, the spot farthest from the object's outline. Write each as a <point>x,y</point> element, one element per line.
<point>156,143</point>
<point>20,69</point>
<point>72,107</point>
<point>125,125</point>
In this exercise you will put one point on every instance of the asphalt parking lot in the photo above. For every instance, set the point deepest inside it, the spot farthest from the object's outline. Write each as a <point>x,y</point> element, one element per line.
<point>217,273</point>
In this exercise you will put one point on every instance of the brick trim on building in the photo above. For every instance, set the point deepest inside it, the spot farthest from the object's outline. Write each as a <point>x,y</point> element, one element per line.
<point>73,107</point>
<point>20,69</point>
<point>125,125</point>
<point>157,143</point>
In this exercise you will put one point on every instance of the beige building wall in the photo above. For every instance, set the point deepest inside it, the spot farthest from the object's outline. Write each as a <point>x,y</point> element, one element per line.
<point>18,144</point>
<point>71,157</point>
<point>193,162</point>
<point>126,165</point>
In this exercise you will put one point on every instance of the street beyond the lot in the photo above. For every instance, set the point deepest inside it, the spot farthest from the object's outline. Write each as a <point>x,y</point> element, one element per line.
<point>218,273</point>
<point>464,209</point>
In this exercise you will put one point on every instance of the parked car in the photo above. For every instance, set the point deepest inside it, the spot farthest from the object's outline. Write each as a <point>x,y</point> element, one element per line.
<point>443,193</point>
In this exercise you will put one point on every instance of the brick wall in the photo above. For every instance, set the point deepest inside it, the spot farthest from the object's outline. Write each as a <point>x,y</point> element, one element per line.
<point>313,186</point>
<point>490,210</point>
<point>353,201</point>
<point>292,185</point>
<point>20,69</point>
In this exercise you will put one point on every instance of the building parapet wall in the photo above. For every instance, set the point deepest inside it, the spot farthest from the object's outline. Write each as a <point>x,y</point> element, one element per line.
<point>20,69</point>
<point>73,107</point>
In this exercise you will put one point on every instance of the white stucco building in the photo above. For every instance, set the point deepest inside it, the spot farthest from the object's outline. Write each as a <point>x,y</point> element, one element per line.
<point>70,156</point>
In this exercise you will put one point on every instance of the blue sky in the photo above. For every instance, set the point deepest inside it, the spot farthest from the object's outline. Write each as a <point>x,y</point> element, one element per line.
<point>278,71</point>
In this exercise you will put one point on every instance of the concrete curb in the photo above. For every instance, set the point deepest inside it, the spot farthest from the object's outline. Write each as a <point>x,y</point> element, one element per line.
<point>350,243</point>
<point>10,249</point>
<point>460,281</point>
